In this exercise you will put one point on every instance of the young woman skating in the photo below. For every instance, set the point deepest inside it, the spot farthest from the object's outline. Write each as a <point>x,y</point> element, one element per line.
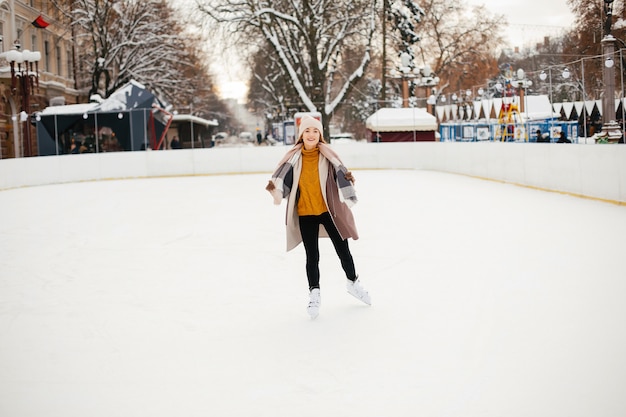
<point>319,192</point>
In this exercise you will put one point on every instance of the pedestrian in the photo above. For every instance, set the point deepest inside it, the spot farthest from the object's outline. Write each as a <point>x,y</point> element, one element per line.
<point>563,138</point>
<point>319,192</point>
<point>545,137</point>
<point>74,146</point>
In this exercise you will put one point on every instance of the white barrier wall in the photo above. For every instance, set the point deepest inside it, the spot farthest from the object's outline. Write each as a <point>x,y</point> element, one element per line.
<point>597,171</point>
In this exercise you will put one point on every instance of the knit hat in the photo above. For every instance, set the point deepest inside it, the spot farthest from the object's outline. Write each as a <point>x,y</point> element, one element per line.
<point>308,121</point>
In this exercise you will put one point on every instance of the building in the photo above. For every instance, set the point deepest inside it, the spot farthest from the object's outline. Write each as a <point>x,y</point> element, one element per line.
<point>32,25</point>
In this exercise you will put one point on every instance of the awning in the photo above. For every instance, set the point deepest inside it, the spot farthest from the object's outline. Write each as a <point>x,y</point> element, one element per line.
<point>401,120</point>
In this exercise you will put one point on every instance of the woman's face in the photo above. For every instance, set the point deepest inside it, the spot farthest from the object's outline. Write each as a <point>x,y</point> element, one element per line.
<point>310,137</point>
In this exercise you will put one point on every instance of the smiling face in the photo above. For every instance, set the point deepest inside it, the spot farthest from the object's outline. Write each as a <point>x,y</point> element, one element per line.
<point>311,137</point>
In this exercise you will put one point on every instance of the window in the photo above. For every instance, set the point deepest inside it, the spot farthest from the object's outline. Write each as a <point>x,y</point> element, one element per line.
<point>46,55</point>
<point>58,52</point>
<point>70,64</point>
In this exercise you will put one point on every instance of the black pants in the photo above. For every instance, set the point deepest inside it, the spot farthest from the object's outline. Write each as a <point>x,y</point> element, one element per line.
<point>309,228</point>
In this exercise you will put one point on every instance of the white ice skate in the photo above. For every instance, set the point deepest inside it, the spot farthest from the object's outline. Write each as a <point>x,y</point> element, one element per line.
<point>355,289</point>
<point>314,303</point>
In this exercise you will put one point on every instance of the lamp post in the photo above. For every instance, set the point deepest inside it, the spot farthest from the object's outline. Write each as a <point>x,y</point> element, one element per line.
<point>424,78</point>
<point>611,131</point>
<point>431,101</point>
<point>543,77</point>
<point>521,83</point>
<point>467,105</point>
<point>27,79</point>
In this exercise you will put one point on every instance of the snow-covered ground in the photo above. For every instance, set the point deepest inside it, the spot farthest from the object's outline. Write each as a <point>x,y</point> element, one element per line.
<point>175,297</point>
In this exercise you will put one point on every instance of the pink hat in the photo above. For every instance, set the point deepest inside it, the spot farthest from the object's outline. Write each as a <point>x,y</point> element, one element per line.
<point>308,121</point>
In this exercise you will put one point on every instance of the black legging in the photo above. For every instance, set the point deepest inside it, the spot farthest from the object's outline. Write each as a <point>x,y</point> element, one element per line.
<point>309,228</point>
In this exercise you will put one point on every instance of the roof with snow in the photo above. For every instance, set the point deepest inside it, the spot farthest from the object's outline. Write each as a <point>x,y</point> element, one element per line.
<point>401,120</point>
<point>538,107</point>
<point>131,96</point>
<point>194,119</point>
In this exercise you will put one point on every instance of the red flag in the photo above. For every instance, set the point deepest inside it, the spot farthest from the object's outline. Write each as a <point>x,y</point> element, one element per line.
<point>40,23</point>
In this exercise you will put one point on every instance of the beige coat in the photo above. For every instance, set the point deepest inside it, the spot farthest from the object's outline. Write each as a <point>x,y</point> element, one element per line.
<point>339,211</point>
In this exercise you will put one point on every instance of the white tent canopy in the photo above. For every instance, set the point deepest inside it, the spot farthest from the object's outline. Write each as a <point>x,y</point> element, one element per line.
<point>538,107</point>
<point>535,107</point>
<point>401,120</point>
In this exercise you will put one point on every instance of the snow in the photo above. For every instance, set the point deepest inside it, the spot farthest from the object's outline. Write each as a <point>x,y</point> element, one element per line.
<point>69,109</point>
<point>401,120</point>
<point>174,297</point>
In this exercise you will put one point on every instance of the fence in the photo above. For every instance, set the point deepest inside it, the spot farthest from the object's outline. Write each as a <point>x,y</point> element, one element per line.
<point>519,132</point>
<point>597,171</point>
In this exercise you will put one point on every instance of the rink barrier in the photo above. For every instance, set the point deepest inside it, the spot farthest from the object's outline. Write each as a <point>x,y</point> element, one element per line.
<point>593,171</point>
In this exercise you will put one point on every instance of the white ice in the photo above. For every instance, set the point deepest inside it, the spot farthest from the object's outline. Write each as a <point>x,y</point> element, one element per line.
<point>175,297</point>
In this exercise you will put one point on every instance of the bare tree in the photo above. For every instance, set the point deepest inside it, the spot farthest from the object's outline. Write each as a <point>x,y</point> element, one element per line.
<point>459,43</point>
<point>308,39</point>
<point>270,90</point>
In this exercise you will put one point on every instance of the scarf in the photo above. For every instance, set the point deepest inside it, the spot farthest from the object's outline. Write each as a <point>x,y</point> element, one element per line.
<point>283,175</point>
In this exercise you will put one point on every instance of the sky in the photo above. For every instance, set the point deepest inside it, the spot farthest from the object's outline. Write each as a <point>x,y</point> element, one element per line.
<point>529,21</point>
<point>175,297</point>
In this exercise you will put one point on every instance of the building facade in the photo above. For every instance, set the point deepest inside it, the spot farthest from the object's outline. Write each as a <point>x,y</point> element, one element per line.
<point>32,25</point>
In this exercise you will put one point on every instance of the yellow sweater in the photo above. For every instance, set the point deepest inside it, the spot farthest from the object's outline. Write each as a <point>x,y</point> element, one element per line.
<point>311,201</point>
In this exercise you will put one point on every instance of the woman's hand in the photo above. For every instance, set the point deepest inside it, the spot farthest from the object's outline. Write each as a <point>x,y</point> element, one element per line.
<point>270,186</point>
<point>350,177</point>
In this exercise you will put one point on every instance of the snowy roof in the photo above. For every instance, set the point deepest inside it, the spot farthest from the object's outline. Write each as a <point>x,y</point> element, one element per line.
<point>69,109</point>
<point>131,96</point>
<point>194,119</point>
<point>538,107</point>
<point>401,120</point>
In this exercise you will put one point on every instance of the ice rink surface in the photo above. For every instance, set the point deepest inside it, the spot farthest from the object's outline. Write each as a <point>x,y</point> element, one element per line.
<point>175,297</point>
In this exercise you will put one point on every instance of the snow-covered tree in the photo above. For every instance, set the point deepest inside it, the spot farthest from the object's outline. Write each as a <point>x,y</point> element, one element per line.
<point>308,39</point>
<point>405,16</point>
<point>120,40</point>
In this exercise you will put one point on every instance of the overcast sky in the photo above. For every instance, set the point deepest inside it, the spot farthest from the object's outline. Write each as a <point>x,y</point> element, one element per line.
<point>531,20</point>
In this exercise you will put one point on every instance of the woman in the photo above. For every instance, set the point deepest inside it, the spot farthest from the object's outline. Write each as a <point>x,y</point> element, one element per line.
<point>319,192</point>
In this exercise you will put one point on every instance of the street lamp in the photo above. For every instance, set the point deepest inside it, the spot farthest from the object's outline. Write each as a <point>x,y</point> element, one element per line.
<point>423,77</point>
<point>611,131</point>
<point>543,76</point>
<point>27,78</point>
<point>521,83</point>
<point>468,107</point>
<point>431,101</point>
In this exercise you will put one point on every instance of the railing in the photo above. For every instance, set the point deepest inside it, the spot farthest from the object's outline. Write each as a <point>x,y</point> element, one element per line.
<point>511,132</point>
